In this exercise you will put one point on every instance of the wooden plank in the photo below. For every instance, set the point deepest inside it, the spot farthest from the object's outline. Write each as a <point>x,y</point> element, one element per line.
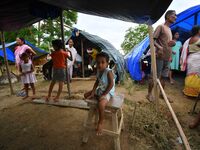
<point>64,103</point>
<point>182,134</point>
<point>83,79</point>
<point>153,66</point>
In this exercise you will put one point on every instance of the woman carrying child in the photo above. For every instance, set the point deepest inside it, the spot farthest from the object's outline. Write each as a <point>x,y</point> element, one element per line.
<point>104,87</point>
<point>59,58</point>
<point>27,74</point>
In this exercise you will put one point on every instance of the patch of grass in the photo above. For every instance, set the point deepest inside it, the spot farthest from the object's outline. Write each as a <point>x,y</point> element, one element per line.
<point>148,128</point>
<point>132,85</point>
<point>128,102</point>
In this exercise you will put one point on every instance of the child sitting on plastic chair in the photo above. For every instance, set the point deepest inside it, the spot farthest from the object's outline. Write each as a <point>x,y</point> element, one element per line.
<point>103,89</point>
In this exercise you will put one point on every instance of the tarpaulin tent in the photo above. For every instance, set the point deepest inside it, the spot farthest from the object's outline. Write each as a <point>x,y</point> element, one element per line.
<point>94,41</point>
<point>184,23</point>
<point>132,59</point>
<point>31,11</point>
<point>10,50</point>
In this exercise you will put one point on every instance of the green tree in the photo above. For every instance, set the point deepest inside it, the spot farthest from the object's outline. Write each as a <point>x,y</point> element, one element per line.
<point>28,33</point>
<point>51,28</point>
<point>133,37</point>
<point>43,32</point>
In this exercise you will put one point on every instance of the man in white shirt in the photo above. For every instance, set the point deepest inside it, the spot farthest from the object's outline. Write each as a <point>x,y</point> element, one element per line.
<point>73,53</point>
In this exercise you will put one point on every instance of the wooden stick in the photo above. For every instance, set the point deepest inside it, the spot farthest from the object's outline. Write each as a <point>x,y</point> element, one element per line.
<point>82,53</point>
<point>83,79</point>
<point>6,62</point>
<point>185,141</point>
<point>104,131</point>
<point>153,66</point>
<point>121,123</point>
<point>63,40</point>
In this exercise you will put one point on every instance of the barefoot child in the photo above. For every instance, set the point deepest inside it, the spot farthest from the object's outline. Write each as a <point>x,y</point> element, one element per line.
<point>27,76</point>
<point>59,57</point>
<point>103,88</point>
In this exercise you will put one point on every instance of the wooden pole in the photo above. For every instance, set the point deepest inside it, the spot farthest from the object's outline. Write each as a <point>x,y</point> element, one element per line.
<point>82,53</point>
<point>63,40</point>
<point>39,36</point>
<point>153,67</point>
<point>6,62</point>
<point>183,137</point>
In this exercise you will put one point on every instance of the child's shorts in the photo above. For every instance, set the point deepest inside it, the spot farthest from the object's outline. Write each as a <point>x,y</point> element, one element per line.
<point>99,92</point>
<point>59,75</point>
<point>107,97</point>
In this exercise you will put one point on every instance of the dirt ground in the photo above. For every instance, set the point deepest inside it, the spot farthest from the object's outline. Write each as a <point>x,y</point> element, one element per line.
<point>28,126</point>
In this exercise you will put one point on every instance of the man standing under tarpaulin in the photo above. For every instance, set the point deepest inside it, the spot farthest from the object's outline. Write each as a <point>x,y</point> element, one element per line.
<point>163,43</point>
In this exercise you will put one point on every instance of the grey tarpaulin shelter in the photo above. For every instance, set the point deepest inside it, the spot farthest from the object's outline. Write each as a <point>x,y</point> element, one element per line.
<point>16,14</point>
<point>94,41</point>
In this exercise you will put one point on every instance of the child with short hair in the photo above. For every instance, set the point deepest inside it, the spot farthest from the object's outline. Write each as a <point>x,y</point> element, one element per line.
<point>104,87</point>
<point>27,76</point>
<point>59,57</point>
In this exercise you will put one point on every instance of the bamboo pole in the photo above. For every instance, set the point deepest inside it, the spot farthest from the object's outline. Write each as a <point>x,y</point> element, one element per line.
<point>153,66</point>
<point>83,64</point>
<point>183,137</point>
<point>63,40</point>
<point>6,62</point>
<point>39,36</point>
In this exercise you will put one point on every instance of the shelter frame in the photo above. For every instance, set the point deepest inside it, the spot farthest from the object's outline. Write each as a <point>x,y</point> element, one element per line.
<point>63,41</point>
<point>83,62</point>
<point>6,62</point>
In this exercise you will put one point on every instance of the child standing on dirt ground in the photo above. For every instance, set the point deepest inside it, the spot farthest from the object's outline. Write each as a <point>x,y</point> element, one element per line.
<point>104,87</point>
<point>59,58</point>
<point>27,74</point>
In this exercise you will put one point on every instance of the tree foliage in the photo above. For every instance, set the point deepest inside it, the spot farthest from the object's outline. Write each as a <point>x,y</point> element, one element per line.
<point>42,33</point>
<point>28,33</point>
<point>133,37</point>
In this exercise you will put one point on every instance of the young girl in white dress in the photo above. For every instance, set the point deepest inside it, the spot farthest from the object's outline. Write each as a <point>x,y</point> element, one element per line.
<point>27,74</point>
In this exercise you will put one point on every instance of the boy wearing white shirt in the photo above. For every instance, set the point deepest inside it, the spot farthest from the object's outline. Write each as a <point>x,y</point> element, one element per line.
<point>74,53</point>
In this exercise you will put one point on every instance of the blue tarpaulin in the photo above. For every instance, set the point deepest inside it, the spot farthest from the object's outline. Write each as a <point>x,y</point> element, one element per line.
<point>132,59</point>
<point>10,50</point>
<point>10,54</point>
<point>184,23</point>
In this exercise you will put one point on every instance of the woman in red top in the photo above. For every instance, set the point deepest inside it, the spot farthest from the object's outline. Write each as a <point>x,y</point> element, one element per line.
<point>59,57</point>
